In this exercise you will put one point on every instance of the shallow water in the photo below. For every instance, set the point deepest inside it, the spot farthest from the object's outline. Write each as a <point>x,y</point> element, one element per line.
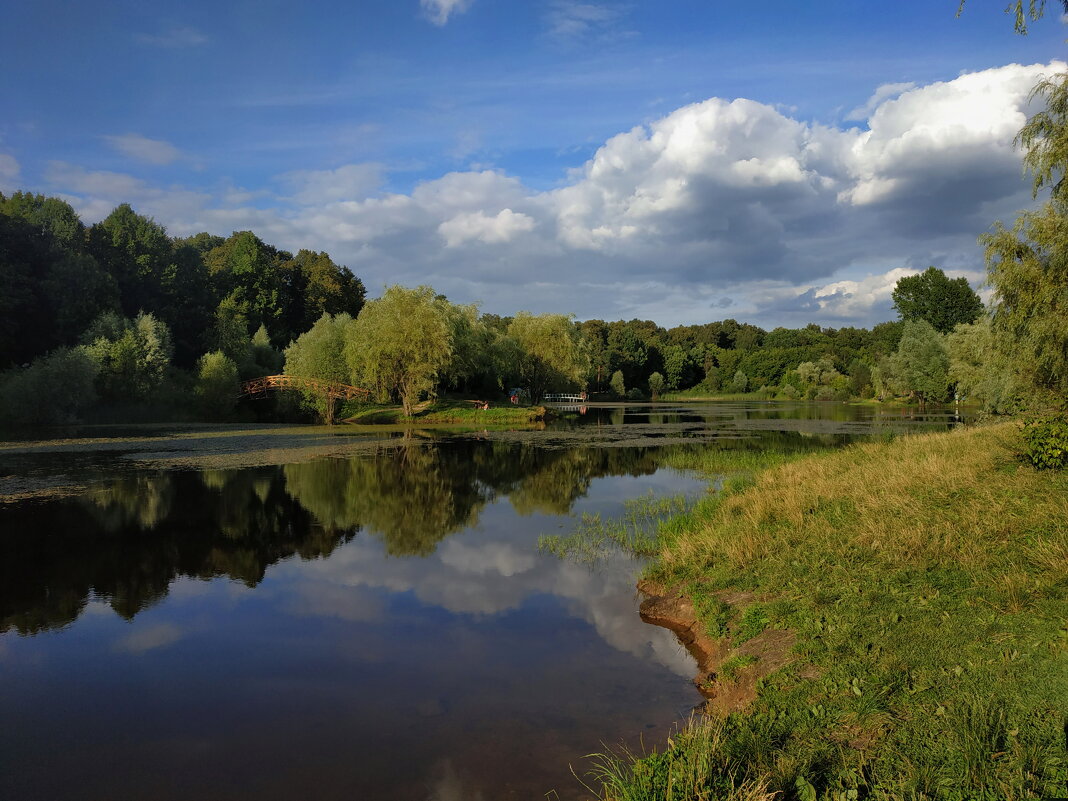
<point>352,615</point>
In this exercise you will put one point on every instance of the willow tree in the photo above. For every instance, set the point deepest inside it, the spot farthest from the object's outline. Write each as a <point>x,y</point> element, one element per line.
<point>1028,268</point>
<point>320,353</point>
<point>1027,265</point>
<point>400,344</point>
<point>551,352</point>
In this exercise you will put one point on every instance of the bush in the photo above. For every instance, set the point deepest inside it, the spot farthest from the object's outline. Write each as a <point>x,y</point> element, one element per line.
<point>656,385</point>
<point>1047,442</point>
<point>739,383</point>
<point>217,385</point>
<point>617,385</point>
<point>57,388</point>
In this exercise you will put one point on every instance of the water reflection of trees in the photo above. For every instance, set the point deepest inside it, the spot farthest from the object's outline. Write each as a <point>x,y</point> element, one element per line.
<point>413,496</point>
<point>128,540</point>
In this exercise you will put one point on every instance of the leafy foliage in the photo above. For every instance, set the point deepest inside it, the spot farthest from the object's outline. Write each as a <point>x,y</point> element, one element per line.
<point>656,385</point>
<point>551,352</point>
<point>320,353</point>
<point>1028,269</point>
<point>1047,442</point>
<point>132,356</point>
<point>217,385</point>
<point>920,367</point>
<point>56,388</point>
<point>400,344</point>
<point>940,301</point>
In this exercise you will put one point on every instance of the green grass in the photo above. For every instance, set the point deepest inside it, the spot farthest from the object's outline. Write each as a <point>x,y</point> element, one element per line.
<point>635,532</point>
<point>926,579</point>
<point>444,412</point>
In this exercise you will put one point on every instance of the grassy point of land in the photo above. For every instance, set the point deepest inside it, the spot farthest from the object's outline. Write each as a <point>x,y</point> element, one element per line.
<point>449,411</point>
<point>926,579</point>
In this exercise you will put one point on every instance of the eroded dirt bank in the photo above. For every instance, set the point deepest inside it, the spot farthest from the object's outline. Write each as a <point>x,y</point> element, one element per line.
<point>727,672</point>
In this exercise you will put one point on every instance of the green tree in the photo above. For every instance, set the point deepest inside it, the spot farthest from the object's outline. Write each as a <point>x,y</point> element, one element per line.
<point>50,289</point>
<point>248,270</point>
<point>217,385</point>
<point>981,369</point>
<point>617,384</point>
<point>1026,265</point>
<point>739,383</point>
<point>132,356</point>
<point>320,353</point>
<point>229,334</point>
<point>941,301</point>
<point>136,251</point>
<point>187,303</point>
<point>921,365</point>
<point>656,385</point>
<point>1028,269</point>
<point>268,361</point>
<point>313,285</point>
<point>400,344</point>
<point>551,352</point>
<point>1021,13</point>
<point>56,388</point>
<point>859,378</point>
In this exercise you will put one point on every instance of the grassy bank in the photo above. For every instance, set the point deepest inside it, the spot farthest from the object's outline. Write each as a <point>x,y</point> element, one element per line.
<point>447,411</point>
<point>926,580</point>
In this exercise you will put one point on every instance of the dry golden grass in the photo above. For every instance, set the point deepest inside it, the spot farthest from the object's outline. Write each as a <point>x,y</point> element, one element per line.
<point>962,499</point>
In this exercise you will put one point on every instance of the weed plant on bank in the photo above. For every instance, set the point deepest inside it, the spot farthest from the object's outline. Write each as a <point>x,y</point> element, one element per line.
<point>927,581</point>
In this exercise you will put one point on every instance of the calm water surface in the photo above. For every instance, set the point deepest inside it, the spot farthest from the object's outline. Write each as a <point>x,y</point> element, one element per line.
<point>373,624</point>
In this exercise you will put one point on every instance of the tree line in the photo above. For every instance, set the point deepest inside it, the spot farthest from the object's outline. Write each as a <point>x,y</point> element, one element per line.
<point>120,321</point>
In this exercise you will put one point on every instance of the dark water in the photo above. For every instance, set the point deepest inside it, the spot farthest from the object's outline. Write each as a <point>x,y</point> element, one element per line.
<point>376,625</point>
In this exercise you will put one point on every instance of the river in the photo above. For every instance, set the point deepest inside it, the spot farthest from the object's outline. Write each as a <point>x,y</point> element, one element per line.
<point>347,612</point>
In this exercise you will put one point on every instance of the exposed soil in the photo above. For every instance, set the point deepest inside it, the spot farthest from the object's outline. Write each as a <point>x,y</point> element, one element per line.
<point>771,649</point>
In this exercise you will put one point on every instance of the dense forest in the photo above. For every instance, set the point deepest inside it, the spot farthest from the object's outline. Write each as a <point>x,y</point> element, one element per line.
<point>119,321</point>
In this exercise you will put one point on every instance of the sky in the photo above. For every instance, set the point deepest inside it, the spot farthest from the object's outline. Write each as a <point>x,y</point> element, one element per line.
<point>681,160</point>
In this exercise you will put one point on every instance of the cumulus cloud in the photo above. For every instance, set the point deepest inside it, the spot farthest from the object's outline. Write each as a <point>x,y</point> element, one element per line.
<point>718,204</point>
<point>141,148</point>
<point>885,92</point>
<point>349,182</point>
<point>479,226</point>
<point>439,11</point>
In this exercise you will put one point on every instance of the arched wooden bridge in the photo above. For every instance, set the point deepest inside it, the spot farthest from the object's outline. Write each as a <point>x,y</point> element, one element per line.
<point>331,390</point>
<point>259,387</point>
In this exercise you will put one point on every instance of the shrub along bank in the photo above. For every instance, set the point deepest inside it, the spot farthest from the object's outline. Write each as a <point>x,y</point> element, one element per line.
<point>926,581</point>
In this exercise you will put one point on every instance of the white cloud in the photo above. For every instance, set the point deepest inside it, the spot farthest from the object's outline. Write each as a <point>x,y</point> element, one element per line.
<point>568,19</point>
<point>148,638</point>
<point>179,36</point>
<point>141,148</point>
<point>349,182</point>
<point>483,228</point>
<point>887,91</point>
<point>717,205</point>
<point>496,557</point>
<point>9,171</point>
<point>439,11</point>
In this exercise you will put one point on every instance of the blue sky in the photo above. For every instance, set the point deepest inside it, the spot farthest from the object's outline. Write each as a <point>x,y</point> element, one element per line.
<point>683,161</point>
